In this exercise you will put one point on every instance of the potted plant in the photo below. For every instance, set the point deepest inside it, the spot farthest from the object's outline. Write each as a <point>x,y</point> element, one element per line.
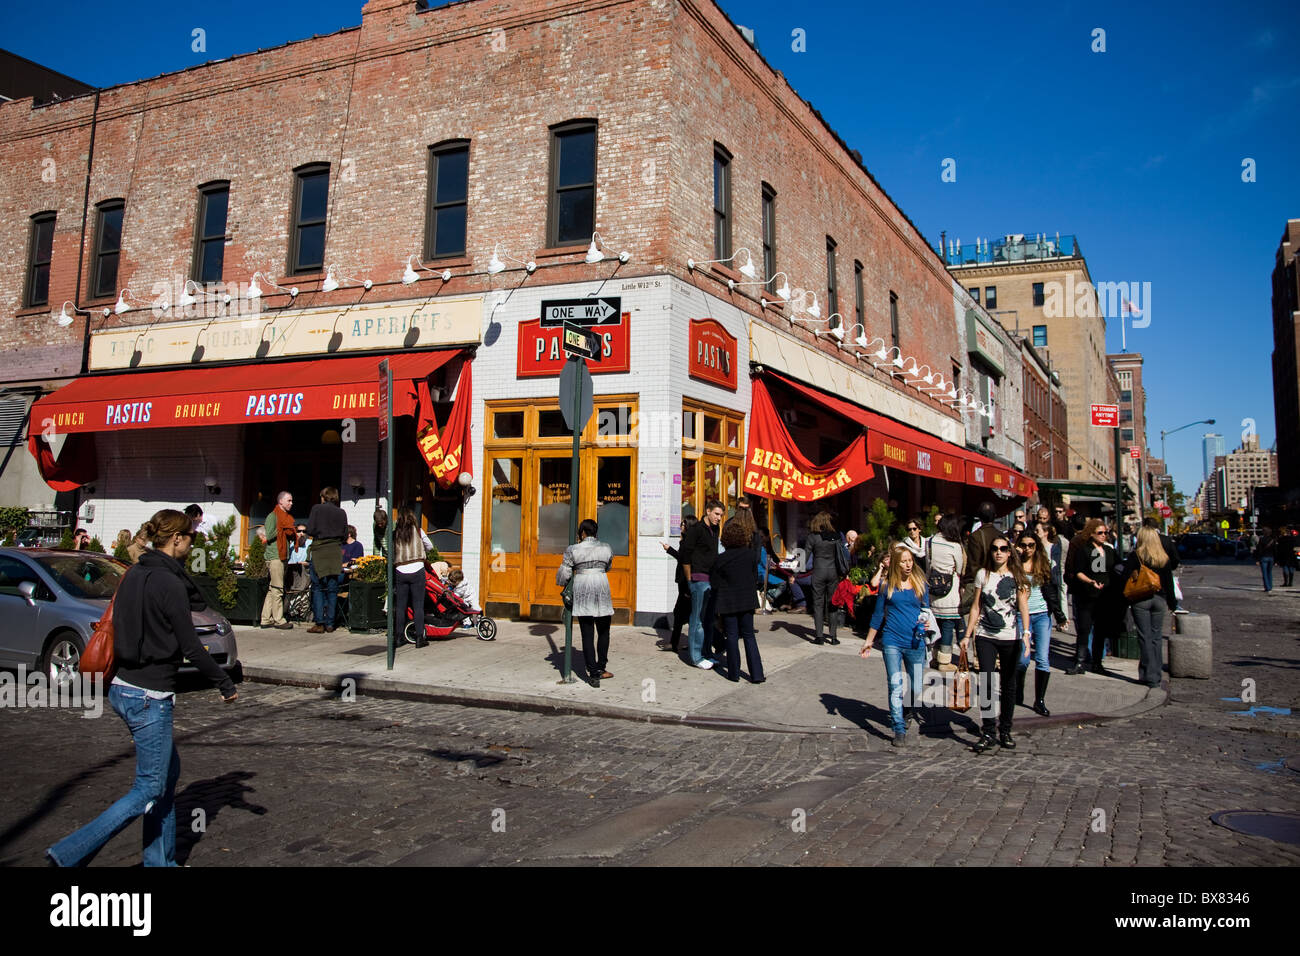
<point>368,594</point>
<point>238,597</point>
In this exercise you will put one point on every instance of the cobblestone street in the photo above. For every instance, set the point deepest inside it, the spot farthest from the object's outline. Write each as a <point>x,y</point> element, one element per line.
<point>288,776</point>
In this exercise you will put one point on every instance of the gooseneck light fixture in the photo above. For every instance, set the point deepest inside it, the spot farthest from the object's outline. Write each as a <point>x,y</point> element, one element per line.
<point>747,270</point>
<point>832,329</point>
<point>65,319</point>
<point>596,251</point>
<point>496,265</point>
<point>332,276</point>
<point>410,276</point>
<point>255,290</point>
<point>861,340</point>
<point>124,306</point>
<point>814,310</point>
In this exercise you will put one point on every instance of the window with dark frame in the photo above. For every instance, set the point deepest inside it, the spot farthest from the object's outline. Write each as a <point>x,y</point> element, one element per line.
<point>893,320</point>
<point>1040,336</point>
<point>310,206</point>
<point>858,303</point>
<point>721,202</point>
<point>40,251</point>
<point>210,232</point>
<point>991,297</point>
<point>832,292</point>
<point>1038,294</point>
<point>975,294</point>
<point>769,237</point>
<point>571,217</point>
<point>448,200</point>
<point>108,247</point>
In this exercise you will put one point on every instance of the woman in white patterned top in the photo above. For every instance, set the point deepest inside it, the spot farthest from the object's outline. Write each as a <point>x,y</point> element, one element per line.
<point>1003,594</point>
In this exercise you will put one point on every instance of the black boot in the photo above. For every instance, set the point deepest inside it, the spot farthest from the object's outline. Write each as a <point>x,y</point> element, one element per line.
<point>1020,686</point>
<point>987,739</point>
<point>1040,691</point>
<point>1005,740</point>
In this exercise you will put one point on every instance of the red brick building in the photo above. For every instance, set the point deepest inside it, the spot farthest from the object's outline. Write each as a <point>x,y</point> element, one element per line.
<point>459,160</point>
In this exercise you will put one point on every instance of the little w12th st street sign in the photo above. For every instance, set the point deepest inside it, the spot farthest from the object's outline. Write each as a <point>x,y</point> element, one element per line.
<point>586,312</point>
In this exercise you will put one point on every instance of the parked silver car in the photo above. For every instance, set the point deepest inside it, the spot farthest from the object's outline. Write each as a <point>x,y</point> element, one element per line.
<point>49,600</point>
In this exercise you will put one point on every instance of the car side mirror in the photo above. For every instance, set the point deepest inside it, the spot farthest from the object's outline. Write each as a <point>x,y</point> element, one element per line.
<point>28,590</point>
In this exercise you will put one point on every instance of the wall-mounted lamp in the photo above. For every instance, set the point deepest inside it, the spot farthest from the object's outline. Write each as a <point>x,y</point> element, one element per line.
<point>596,252</point>
<point>882,354</point>
<point>747,270</point>
<point>410,276</point>
<point>186,297</point>
<point>124,306</point>
<point>861,340</point>
<point>255,290</point>
<point>495,264</point>
<point>836,330</point>
<point>466,482</point>
<point>211,487</point>
<point>65,318</point>
<point>815,310</point>
<point>332,276</point>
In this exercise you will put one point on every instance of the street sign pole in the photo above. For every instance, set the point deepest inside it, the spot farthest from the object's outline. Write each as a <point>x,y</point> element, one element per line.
<point>386,416</point>
<point>1119,500</point>
<point>578,423</point>
<point>1142,489</point>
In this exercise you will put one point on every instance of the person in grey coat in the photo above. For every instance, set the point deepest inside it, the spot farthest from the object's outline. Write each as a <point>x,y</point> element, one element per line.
<point>587,563</point>
<point>821,544</point>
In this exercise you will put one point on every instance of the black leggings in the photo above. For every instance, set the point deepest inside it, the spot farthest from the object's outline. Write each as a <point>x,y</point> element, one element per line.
<point>595,647</point>
<point>1085,613</point>
<point>408,591</point>
<point>1003,657</point>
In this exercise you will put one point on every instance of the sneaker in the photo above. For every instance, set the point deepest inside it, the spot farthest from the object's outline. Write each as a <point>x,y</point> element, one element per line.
<point>900,740</point>
<point>705,664</point>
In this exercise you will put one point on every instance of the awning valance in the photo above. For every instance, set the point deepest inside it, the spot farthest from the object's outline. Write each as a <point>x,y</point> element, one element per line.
<point>235,394</point>
<point>895,445</point>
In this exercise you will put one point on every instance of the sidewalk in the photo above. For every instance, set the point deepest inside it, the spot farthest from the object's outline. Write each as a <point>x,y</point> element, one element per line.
<point>809,688</point>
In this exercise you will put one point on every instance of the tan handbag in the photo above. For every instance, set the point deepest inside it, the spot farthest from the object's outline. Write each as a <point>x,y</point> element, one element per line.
<point>99,656</point>
<point>959,695</point>
<point>1141,584</point>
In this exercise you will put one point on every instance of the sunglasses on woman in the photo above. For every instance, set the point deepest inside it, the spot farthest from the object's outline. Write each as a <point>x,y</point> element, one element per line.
<point>1026,546</point>
<point>998,547</point>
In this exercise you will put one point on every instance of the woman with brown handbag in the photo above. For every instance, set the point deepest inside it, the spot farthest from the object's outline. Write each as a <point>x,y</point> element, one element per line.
<point>154,634</point>
<point>1149,611</point>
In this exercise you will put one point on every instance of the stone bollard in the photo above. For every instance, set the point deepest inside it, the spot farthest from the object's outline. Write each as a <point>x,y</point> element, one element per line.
<point>1191,646</point>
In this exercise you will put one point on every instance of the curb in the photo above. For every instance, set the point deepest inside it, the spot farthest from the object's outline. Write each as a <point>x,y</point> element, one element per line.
<point>528,703</point>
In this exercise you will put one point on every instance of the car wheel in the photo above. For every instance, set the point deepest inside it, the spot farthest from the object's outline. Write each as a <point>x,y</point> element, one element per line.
<point>62,657</point>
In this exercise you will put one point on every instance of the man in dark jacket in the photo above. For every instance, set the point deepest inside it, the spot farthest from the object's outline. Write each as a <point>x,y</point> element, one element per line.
<point>977,551</point>
<point>1264,557</point>
<point>699,551</point>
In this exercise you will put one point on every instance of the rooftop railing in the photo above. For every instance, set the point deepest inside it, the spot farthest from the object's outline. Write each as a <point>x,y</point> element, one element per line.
<point>1016,247</point>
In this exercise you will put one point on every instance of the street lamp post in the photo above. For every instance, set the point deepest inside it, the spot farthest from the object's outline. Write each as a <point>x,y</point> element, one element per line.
<point>1203,421</point>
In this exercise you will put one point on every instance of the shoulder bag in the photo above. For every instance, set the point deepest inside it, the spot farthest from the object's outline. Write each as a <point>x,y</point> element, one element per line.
<point>841,558</point>
<point>1141,584</point>
<point>99,656</point>
<point>937,583</point>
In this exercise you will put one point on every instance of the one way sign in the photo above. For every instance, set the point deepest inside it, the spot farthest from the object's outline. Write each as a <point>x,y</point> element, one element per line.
<point>585,312</point>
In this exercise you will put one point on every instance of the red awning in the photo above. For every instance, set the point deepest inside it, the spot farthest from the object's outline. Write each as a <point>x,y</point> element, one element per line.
<point>895,445</point>
<point>234,394</point>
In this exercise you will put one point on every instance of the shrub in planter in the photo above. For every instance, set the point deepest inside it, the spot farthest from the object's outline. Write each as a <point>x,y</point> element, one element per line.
<point>255,565</point>
<point>95,545</point>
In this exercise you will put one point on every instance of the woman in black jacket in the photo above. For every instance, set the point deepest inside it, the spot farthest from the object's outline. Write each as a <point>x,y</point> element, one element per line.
<point>1088,571</point>
<point>732,581</point>
<point>822,543</point>
<point>153,635</point>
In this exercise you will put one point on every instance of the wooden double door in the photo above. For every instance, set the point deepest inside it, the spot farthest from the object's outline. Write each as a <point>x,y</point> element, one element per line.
<point>526,513</point>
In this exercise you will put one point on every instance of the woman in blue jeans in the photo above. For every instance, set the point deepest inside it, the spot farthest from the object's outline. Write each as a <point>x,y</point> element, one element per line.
<point>1044,605</point>
<point>898,608</point>
<point>153,634</point>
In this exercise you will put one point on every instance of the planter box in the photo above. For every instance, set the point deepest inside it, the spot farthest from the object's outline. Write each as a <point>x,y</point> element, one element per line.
<point>249,597</point>
<point>367,607</point>
<point>1126,647</point>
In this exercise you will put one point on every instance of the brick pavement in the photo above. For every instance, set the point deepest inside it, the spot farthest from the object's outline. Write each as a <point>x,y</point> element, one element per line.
<point>290,776</point>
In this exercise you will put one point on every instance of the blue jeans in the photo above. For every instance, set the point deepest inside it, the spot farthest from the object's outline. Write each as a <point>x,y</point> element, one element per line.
<point>701,620</point>
<point>1266,568</point>
<point>951,631</point>
<point>324,597</point>
<point>915,676</point>
<point>157,767</point>
<point>1040,632</point>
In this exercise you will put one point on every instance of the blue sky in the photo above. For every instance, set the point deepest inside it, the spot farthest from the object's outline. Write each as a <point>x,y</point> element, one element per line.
<point>1138,151</point>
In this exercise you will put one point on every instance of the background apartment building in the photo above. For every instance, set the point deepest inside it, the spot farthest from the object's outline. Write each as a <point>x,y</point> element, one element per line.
<point>1127,367</point>
<point>1038,286</point>
<point>1286,358</point>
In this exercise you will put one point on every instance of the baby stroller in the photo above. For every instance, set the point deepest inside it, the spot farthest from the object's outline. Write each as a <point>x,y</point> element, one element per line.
<point>444,612</point>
